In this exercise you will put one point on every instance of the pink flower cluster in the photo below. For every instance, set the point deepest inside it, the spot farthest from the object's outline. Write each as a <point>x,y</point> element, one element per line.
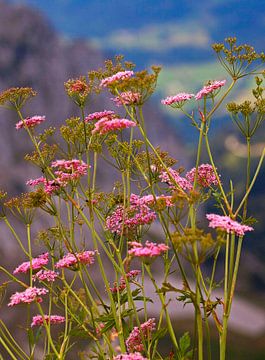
<point>205,175</point>
<point>47,275</point>
<point>208,89</point>
<point>49,185</point>
<point>36,264</point>
<point>136,214</point>
<point>49,319</point>
<point>177,100</point>
<point>227,224</point>
<point>127,98</point>
<point>85,257</point>
<point>134,341</point>
<point>148,200</point>
<point>121,75</point>
<point>106,124</point>
<point>150,249</point>
<point>175,179</point>
<point>68,170</point>
<point>28,296</point>
<point>99,115</point>
<point>30,122</point>
<point>131,275</point>
<point>132,356</point>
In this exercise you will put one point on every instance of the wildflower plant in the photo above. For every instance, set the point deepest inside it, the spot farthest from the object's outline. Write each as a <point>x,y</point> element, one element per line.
<point>89,277</point>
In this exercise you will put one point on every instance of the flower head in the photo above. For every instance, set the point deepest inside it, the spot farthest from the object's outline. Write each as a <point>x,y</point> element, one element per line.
<point>134,341</point>
<point>131,275</point>
<point>121,75</point>
<point>85,257</point>
<point>150,250</point>
<point>131,356</point>
<point>36,263</point>
<point>30,122</point>
<point>127,98</point>
<point>69,170</point>
<point>16,96</point>
<point>208,89</point>
<point>205,175</point>
<point>37,320</point>
<point>105,125</point>
<point>47,275</point>
<point>227,224</point>
<point>178,100</point>
<point>173,179</point>
<point>99,115</point>
<point>28,296</point>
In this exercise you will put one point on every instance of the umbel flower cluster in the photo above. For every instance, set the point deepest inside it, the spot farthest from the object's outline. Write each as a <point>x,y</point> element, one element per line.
<point>102,252</point>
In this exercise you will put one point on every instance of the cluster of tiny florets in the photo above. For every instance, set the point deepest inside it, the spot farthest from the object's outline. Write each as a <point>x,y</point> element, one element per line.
<point>149,250</point>
<point>38,320</point>
<point>30,122</point>
<point>28,296</point>
<point>106,124</point>
<point>134,341</point>
<point>209,89</point>
<point>85,257</point>
<point>226,224</point>
<point>121,75</point>
<point>127,98</point>
<point>35,264</point>
<point>205,175</point>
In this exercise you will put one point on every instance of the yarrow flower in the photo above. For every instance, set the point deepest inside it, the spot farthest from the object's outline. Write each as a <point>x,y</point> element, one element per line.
<point>208,89</point>
<point>205,175</point>
<point>36,263</point>
<point>178,100</point>
<point>85,257</point>
<point>28,296</point>
<point>148,200</point>
<point>47,275</point>
<point>131,275</point>
<point>49,185</point>
<point>136,214</point>
<point>134,341</point>
<point>132,356</point>
<point>105,125</point>
<point>69,170</point>
<point>121,75</point>
<point>150,249</point>
<point>99,115</point>
<point>227,224</point>
<point>175,180</point>
<point>37,320</point>
<point>127,98</point>
<point>30,122</point>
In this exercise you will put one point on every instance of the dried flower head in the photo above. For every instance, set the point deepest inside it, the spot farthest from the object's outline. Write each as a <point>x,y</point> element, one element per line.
<point>16,97</point>
<point>78,90</point>
<point>238,60</point>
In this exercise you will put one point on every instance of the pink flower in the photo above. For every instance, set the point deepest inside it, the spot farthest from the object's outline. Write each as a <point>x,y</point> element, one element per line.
<point>148,200</point>
<point>177,100</point>
<point>99,115</point>
<point>85,257</point>
<point>49,185</point>
<point>48,275</point>
<point>30,122</point>
<point>134,341</point>
<point>28,296</point>
<point>121,75</point>
<point>131,275</point>
<point>36,264</point>
<point>131,356</point>
<point>150,249</point>
<point>127,98</point>
<point>52,319</point>
<point>175,180</point>
<point>227,224</point>
<point>208,89</point>
<point>129,218</point>
<point>205,175</point>
<point>106,125</point>
<point>69,170</point>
